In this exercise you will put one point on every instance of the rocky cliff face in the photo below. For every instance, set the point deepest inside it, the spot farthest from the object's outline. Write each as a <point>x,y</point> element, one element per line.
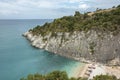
<point>90,46</point>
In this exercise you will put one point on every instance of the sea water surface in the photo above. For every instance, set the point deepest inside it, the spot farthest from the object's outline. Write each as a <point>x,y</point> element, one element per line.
<point>18,58</point>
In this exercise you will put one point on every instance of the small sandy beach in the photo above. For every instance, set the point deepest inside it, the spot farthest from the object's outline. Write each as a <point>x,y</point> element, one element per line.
<point>77,71</point>
<point>91,70</point>
<point>114,70</point>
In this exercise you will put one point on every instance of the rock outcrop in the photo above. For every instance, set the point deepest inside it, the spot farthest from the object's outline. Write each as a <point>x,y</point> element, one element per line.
<point>89,37</point>
<point>88,46</point>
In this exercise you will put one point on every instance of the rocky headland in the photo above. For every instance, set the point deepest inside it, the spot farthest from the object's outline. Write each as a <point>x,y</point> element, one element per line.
<point>83,37</point>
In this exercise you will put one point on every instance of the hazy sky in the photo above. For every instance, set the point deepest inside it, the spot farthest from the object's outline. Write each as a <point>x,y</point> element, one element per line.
<point>49,9</point>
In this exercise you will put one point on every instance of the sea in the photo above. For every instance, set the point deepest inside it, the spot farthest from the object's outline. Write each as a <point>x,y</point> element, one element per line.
<point>18,58</point>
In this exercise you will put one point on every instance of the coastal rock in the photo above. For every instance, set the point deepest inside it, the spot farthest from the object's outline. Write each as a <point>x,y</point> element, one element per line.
<point>84,46</point>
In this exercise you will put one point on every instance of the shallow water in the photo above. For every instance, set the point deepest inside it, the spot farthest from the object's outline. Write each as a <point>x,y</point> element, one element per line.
<point>18,58</point>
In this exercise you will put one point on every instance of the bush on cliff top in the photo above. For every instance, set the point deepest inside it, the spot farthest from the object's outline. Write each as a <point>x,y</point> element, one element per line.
<point>106,21</point>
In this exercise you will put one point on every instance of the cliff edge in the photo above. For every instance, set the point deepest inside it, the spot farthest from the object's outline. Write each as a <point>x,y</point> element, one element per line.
<point>93,38</point>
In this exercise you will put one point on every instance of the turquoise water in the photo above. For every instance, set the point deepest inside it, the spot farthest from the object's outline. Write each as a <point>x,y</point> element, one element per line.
<point>18,58</point>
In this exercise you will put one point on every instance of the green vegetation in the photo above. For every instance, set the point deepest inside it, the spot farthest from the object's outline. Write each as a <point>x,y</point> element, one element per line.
<point>105,77</point>
<point>55,75</point>
<point>106,21</point>
<point>61,75</point>
<point>91,47</point>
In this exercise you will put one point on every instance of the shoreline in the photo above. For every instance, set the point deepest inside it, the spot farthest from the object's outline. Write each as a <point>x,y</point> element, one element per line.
<point>76,71</point>
<point>52,45</point>
<point>79,71</point>
<point>89,70</point>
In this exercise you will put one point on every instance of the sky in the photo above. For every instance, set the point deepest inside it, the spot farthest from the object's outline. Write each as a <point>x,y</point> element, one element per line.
<point>49,9</point>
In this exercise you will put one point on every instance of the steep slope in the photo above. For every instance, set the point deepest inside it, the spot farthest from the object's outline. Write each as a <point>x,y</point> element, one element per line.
<point>82,37</point>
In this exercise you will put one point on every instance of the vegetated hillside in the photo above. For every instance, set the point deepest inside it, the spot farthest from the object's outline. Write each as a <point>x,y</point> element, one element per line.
<point>103,20</point>
<point>83,37</point>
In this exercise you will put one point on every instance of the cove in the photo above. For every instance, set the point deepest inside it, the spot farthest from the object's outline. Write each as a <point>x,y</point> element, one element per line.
<point>18,58</point>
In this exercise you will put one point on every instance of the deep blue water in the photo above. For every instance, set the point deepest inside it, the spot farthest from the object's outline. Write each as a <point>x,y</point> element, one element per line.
<point>18,58</point>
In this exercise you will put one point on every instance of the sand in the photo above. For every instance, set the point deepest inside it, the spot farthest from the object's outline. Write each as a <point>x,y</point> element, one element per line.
<point>115,70</point>
<point>77,71</point>
<point>99,69</point>
<point>82,70</point>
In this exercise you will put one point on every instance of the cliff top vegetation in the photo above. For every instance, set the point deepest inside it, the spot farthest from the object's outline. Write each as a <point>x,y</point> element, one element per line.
<point>102,20</point>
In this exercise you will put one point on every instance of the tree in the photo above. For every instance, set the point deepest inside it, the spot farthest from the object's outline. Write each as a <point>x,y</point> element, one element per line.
<point>105,77</point>
<point>118,6</point>
<point>101,20</point>
<point>113,7</point>
<point>77,13</point>
<point>57,75</point>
